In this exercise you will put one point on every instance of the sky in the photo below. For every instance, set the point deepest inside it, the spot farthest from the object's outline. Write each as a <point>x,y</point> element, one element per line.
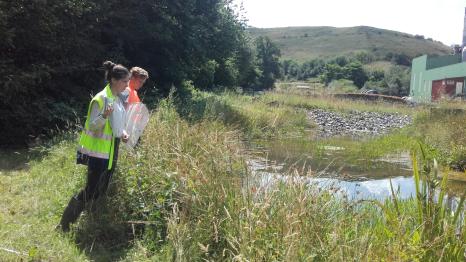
<point>442,20</point>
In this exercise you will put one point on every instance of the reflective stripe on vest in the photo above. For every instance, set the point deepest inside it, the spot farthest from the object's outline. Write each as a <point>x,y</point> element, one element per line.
<point>98,144</point>
<point>97,135</point>
<point>91,153</point>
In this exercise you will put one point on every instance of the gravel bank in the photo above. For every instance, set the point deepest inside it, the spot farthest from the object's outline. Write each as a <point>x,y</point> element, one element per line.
<point>356,123</point>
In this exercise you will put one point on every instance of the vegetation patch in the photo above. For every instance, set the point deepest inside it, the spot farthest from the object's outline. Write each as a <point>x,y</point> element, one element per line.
<point>186,194</point>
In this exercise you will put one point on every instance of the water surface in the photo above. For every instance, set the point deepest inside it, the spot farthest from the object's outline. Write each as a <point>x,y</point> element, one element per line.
<point>334,168</point>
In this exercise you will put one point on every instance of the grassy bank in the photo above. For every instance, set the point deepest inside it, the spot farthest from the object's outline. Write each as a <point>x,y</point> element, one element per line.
<point>443,130</point>
<point>186,194</point>
<point>319,98</point>
<point>253,116</point>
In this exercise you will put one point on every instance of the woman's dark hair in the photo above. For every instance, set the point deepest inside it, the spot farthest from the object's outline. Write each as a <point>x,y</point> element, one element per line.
<point>115,71</point>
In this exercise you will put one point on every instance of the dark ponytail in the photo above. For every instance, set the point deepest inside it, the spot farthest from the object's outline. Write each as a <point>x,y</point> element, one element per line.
<point>115,71</point>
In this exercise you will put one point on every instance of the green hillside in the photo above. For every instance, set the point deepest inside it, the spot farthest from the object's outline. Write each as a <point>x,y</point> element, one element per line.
<point>306,43</point>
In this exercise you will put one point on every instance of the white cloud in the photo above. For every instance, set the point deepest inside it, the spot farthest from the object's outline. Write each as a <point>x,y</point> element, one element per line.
<point>441,20</point>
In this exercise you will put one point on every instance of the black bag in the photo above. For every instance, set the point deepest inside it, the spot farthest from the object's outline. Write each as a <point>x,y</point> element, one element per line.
<point>82,159</point>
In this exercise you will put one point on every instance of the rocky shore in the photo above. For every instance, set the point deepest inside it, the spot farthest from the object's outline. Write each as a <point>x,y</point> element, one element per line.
<point>356,123</point>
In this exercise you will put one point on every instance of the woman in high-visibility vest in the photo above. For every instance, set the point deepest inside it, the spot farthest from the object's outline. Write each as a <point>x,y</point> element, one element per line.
<point>99,141</point>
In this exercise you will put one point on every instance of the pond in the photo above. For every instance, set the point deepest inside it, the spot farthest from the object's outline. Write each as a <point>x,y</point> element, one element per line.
<point>334,168</point>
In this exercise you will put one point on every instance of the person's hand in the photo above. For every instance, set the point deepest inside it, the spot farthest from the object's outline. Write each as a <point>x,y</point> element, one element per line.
<point>107,111</point>
<point>125,137</point>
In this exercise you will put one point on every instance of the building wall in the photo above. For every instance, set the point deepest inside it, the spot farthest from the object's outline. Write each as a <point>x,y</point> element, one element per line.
<point>421,77</point>
<point>417,90</point>
<point>447,88</point>
<point>440,61</point>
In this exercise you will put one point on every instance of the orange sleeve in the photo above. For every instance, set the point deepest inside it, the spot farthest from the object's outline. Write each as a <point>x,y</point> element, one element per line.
<point>133,97</point>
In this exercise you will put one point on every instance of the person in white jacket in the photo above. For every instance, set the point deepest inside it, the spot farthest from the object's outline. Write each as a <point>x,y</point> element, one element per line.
<point>99,141</point>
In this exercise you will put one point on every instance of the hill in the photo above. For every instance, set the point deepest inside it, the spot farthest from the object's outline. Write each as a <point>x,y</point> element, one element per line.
<point>306,43</point>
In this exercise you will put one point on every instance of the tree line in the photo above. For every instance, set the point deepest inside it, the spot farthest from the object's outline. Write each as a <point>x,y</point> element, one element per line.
<point>394,81</point>
<point>52,50</point>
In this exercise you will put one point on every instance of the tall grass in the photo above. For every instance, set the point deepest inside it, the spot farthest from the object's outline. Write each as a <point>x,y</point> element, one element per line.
<point>443,130</point>
<point>435,229</point>
<point>192,184</point>
<point>251,115</point>
<point>194,179</point>
<point>186,194</point>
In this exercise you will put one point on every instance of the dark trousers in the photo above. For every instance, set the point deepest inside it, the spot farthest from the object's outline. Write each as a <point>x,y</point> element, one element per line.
<point>98,176</point>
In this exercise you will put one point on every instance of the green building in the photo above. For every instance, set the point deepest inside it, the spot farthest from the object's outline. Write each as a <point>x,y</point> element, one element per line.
<point>435,78</point>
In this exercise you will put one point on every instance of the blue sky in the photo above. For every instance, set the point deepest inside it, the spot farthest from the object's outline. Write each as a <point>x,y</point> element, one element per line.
<point>442,20</point>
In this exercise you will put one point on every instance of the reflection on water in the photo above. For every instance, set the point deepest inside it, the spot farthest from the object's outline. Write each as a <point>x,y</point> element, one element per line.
<point>354,189</point>
<point>330,169</point>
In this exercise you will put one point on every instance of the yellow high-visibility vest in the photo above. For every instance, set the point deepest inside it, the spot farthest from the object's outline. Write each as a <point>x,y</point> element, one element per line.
<point>99,144</point>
